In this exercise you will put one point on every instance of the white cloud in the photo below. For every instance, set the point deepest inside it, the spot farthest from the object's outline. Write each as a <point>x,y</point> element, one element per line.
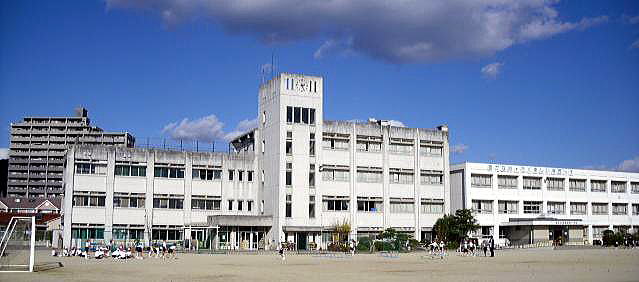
<point>459,148</point>
<point>631,165</point>
<point>635,44</point>
<point>491,71</point>
<point>332,47</point>
<point>4,153</point>
<point>207,129</point>
<point>631,20</point>
<point>403,31</point>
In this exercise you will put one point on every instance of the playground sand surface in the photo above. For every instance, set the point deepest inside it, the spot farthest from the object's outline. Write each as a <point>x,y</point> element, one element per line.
<point>509,265</point>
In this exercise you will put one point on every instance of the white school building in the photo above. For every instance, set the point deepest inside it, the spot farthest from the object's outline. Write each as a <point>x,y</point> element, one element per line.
<point>526,204</point>
<point>293,178</point>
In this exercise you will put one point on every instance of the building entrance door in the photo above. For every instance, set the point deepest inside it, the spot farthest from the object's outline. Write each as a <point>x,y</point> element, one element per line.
<point>301,240</point>
<point>558,234</point>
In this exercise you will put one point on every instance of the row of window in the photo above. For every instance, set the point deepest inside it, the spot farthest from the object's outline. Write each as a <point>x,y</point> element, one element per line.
<point>162,172</point>
<point>555,184</point>
<point>375,176</point>
<point>300,115</point>
<point>136,200</point>
<point>396,205</point>
<point>336,141</point>
<point>536,207</point>
<point>170,234</point>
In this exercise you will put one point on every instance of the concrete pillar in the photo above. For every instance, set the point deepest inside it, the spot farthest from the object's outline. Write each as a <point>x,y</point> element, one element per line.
<point>68,199</point>
<point>496,233</point>
<point>110,186</point>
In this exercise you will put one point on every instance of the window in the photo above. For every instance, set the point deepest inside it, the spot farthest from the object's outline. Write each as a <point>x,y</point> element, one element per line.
<point>240,175</point>
<point>555,184</point>
<point>335,173</point>
<point>619,209</point>
<point>130,170</point>
<point>335,203</point>
<point>249,175</point>
<point>240,205</point>
<point>578,208</point>
<point>311,206</point>
<point>289,143</point>
<point>128,200</point>
<point>600,208</point>
<point>335,141</point>
<point>123,233</point>
<point>431,177</point>
<point>169,233</point>
<point>532,183</point>
<point>556,207</point>
<point>431,148</point>
<point>289,174</point>
<point>311,145</point>
<point>482,206</point>
<point>206,203</point>
<point>207,174</point>
<point>369,174</point>
<point>89,199</point>
<point>401,176</point>
<point>507,182</point>
<point>263,146</point>
<point>531,207</point>
<point>87,233</point>
<point>230,205</point>
<point>296,115</point>
<point>371,144</point>
<point>577,185</point>
<point>90,168</point>
<point>163,201</point>
<point>634,187</point>
<point>481,180</point>
<point>508,207</point>
<point>249,205</point>
<point>635,209</point>
<point>398,205</point>
<point>263,117</point>
<point>231,172</point>
<point>372,204</point>
<point>311,119</point>
<point>400,146</point>
<point>167,171</point>
<point>598,186</point>
<point>305,115</point>
<point>432,206</point>
<point>289,206</point>
<point>311,175</point>
<point>289,114</point>
<point>618,187</point>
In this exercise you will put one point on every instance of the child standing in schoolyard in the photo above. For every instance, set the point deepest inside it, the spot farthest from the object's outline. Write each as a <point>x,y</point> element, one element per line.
<point>281,251</point>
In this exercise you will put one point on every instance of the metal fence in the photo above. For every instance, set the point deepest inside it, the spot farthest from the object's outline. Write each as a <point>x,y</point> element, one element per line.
<point>180,145</point>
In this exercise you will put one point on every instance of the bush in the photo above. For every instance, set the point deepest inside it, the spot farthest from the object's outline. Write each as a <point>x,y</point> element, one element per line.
<point>338,247</point>
<point>364,244</point>
<point>413,244</point>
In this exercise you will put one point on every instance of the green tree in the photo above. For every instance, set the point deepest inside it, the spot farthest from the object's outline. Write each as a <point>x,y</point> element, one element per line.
<point>454,228</point>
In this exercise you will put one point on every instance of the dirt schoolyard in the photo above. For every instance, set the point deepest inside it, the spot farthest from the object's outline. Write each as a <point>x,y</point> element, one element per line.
<point>509,265</point>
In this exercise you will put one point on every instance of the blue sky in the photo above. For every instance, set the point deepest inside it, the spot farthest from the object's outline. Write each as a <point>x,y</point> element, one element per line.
<point>560,85</point>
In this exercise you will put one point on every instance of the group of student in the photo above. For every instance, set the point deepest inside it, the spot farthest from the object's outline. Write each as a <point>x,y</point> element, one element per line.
<point>159,250</point>
<point>471,248</point>
<point>437,248</point>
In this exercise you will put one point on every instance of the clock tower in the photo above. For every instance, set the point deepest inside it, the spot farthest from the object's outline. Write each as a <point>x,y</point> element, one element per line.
<point>290,107</point>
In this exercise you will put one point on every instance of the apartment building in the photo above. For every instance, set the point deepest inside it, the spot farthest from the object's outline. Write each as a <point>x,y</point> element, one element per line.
<point>526,204</point>
<point>293,178</point>
<point>38,146</point>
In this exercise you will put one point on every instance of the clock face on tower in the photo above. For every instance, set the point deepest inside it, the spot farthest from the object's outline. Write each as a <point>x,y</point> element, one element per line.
<point>302,85</point>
